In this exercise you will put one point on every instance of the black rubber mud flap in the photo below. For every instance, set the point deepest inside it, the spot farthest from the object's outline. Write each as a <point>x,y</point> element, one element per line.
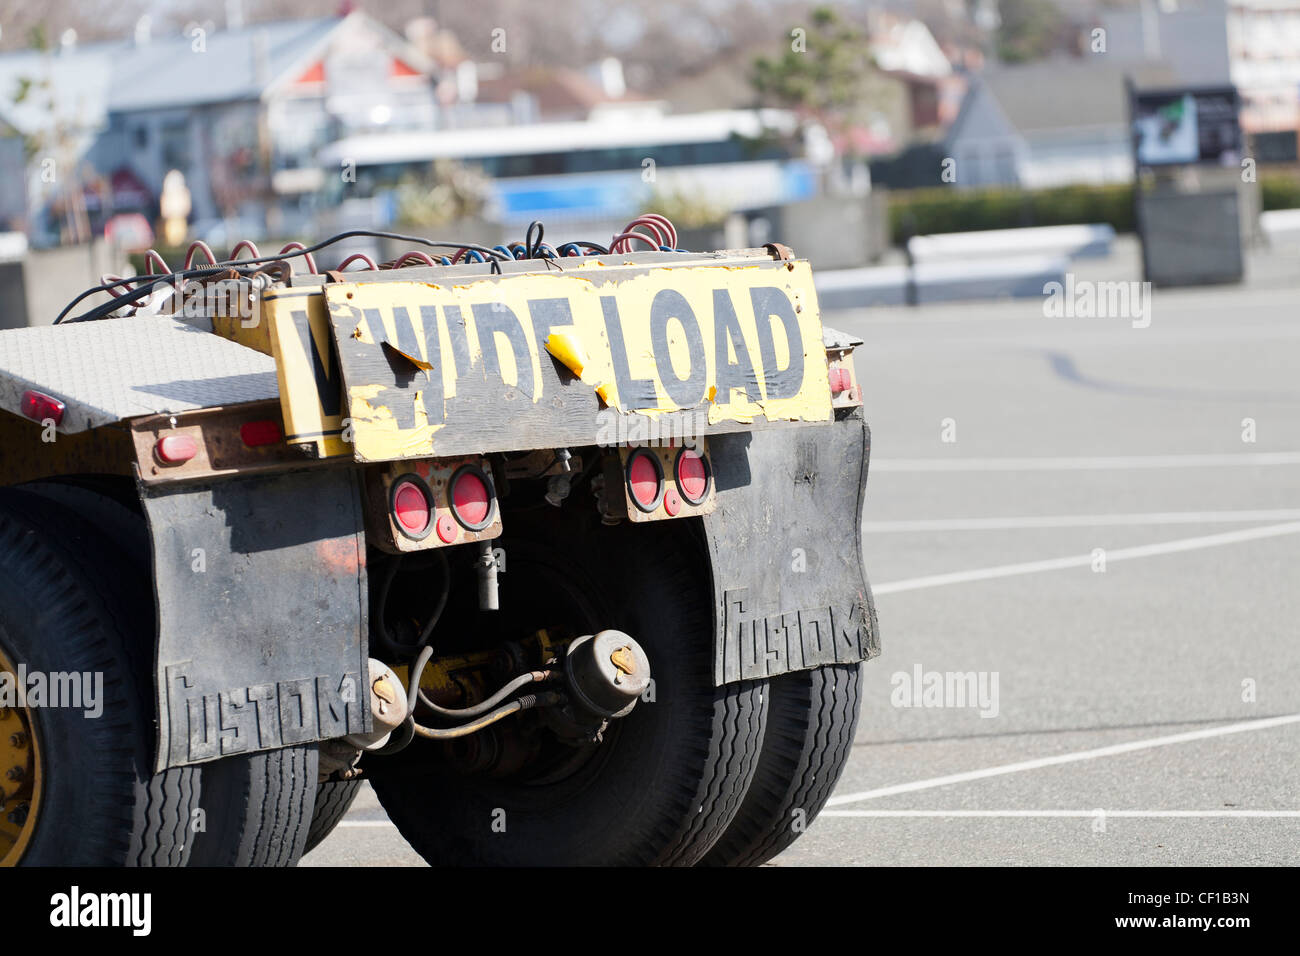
<point>261,591</point>
<point>790,590</point>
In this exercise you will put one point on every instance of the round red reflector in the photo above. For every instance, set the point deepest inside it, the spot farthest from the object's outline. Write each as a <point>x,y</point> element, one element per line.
<point>446,529</point>
<point>471,501</point>
<point>410,508</point>
<point>175,449</point>
<point>411,511</point>
<point>672,503</point>
<point>644,480</point>
<point>692,476</point>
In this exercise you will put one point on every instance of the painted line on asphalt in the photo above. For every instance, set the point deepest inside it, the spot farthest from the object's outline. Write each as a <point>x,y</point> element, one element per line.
<point>1096,463</point>
<point>1085,560</point>
<point>1099,812</point>
<point>1039,763</point>
<point>1013,523</point>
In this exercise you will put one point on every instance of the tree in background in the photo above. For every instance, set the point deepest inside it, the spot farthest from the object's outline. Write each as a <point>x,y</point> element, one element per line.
<point>829,78</point>
<point>27,25</point>
<point>1031,30</point>
<point>823,73</point>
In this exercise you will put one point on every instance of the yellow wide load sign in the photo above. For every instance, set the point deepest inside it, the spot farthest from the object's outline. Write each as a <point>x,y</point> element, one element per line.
<point>531,361</point>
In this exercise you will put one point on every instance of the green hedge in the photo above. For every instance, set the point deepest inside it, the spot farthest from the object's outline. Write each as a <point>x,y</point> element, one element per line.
<point>1280,190</point>
<point>919,212</point>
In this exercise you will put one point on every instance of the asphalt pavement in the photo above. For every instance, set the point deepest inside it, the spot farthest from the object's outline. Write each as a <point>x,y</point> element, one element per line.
<point>1100,524</point>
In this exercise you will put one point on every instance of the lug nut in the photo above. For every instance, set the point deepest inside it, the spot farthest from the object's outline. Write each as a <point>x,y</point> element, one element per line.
<point>15,773</point>
<point>19,739</point>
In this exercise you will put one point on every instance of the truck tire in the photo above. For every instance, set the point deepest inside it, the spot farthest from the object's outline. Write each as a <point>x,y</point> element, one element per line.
<point>810,726</point>
<point>333,799</point>
<point>82,790</point>
<point>253,805</point>
<point>258,808</point>
<point>667,779</point>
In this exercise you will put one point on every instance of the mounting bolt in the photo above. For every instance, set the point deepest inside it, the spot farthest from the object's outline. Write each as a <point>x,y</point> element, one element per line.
<point>557,489</point>
<point>19,739</point>
<point>15,773</point>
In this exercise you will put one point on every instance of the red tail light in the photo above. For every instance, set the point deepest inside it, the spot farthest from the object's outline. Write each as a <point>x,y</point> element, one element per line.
<point>841,381</point>
<point>692,475</point>
<point>645,480</point>
<point>175,449</point>
<point>471,497</point>
<point>257,434</point>
<point>39,407</point>
<point>412,507</point>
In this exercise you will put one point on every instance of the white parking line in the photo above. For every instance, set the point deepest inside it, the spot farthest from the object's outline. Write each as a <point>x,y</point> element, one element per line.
<point>1099,812</point>
<point>1081,521</point>
<point>1078,755</point>
<point>1085,560</point>
<point>1243,460</point>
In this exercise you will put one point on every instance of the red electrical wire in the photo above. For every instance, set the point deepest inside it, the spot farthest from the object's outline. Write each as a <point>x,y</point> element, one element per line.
<point>416,255</point>
<point>622,242</point>
<point>659,228</point>
<point>151,257</point>
<point>245,243</point>
<point>113,282</point>
<point>660,233</point>
<point>198,245</point>
<point>354,257</point>
<point>672,230</point>
<point>295,247</point>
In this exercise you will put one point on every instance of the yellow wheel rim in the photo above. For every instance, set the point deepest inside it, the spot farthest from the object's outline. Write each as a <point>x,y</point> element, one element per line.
<point>20,772</point>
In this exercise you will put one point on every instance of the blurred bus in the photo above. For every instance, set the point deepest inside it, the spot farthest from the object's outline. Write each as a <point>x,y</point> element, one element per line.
<point>602,168</point>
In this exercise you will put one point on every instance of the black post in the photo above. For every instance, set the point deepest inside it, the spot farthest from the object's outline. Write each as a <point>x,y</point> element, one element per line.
<point>1130,92</point>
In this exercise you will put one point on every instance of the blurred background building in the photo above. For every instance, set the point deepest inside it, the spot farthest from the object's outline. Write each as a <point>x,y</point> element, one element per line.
<point>741,119</point>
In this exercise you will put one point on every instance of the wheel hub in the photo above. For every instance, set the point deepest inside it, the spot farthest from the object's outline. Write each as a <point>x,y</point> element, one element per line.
<point>20,773</point>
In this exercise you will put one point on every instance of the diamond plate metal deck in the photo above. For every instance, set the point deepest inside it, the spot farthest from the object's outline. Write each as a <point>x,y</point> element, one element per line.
<point>119,368</point>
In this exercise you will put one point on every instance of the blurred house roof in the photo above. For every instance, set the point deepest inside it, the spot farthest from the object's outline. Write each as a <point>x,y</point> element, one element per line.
<point>68,88</point>
<point>901,44</point>
<point>1061,93</point>
<point>236,65</point>
<point>559,93</point>
<point>79,87</point>
<point>725,83</point>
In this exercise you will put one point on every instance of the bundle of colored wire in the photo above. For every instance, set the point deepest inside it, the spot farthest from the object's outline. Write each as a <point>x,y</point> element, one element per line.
<point>654,230</point>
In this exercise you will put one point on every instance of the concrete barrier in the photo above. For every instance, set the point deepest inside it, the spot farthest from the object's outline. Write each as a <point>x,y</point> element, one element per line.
<point>1019,277</point>
<point>1079,241</point>
<point>1281,225</point>
<point>37,285</point>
